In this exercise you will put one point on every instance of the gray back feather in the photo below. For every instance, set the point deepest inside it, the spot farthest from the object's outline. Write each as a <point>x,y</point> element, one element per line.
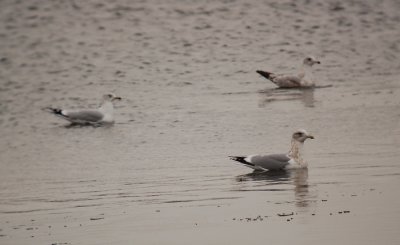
<point>287,81</point>
<point>86,116</point>
<point>272,162</point>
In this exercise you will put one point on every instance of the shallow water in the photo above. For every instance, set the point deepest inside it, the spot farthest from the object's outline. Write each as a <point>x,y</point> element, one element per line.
<point>191,98</point>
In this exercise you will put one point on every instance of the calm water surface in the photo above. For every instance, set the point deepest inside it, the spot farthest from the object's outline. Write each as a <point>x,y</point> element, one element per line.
<point>161,174</point>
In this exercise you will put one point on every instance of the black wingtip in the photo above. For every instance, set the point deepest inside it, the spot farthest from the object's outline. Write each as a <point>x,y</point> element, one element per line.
<point>53,110</point>
<point>265,74</point>
<point>234,158</point>
<point>241,160</point>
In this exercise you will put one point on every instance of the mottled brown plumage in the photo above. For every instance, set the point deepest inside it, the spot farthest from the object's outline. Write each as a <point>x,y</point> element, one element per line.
<point>304,79</point>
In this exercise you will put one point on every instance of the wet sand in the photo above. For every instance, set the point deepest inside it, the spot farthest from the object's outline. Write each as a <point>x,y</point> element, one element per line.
<point>186,71</point>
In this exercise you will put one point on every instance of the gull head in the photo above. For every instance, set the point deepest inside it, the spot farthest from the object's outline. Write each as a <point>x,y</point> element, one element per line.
<point>111,97</point>
<point>310,61</point>
<point>301,135</point>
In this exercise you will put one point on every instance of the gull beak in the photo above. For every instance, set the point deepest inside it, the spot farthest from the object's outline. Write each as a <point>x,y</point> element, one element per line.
<point>310,137</point>
<point>318,62</point>
<point>117,98</point>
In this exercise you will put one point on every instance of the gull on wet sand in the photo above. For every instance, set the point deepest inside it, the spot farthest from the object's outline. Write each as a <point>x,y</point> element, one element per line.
<point>304,79</point>
<point>103,115</point>
<point>293,159</point>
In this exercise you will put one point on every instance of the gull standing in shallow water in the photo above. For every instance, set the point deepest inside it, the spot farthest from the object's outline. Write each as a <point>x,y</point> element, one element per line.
<point>294,159</point>
<point>103,115</point>
<point>304,79</point>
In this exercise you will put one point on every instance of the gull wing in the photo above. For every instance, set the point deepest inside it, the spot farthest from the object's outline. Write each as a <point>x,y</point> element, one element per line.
<point>90,116</point>
<point>270,162</point>
<point>284,81</point>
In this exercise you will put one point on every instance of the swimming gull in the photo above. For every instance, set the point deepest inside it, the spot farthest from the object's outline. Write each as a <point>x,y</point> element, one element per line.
<point>293,159</point>
<point>103,115</point>
<point>304,79</point>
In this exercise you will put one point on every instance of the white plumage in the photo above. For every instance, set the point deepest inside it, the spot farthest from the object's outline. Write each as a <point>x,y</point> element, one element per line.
<point>103,115</point>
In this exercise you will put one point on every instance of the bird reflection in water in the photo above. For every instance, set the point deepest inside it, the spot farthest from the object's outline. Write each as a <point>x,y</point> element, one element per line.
<point>296,177</point>
<point>306,96</point>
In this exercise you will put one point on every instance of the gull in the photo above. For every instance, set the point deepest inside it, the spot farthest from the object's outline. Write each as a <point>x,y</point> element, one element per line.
<point>103,115</point>
<point>293,159</point>
<point>304,79</point>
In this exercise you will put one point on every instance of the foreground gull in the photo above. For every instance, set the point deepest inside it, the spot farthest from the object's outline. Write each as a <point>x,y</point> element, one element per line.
<point>294,159</point>
<point>103,115</point>
<point>304,79</point>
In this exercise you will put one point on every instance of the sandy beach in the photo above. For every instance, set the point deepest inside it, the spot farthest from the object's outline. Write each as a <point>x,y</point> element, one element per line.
<point>191,97</point>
